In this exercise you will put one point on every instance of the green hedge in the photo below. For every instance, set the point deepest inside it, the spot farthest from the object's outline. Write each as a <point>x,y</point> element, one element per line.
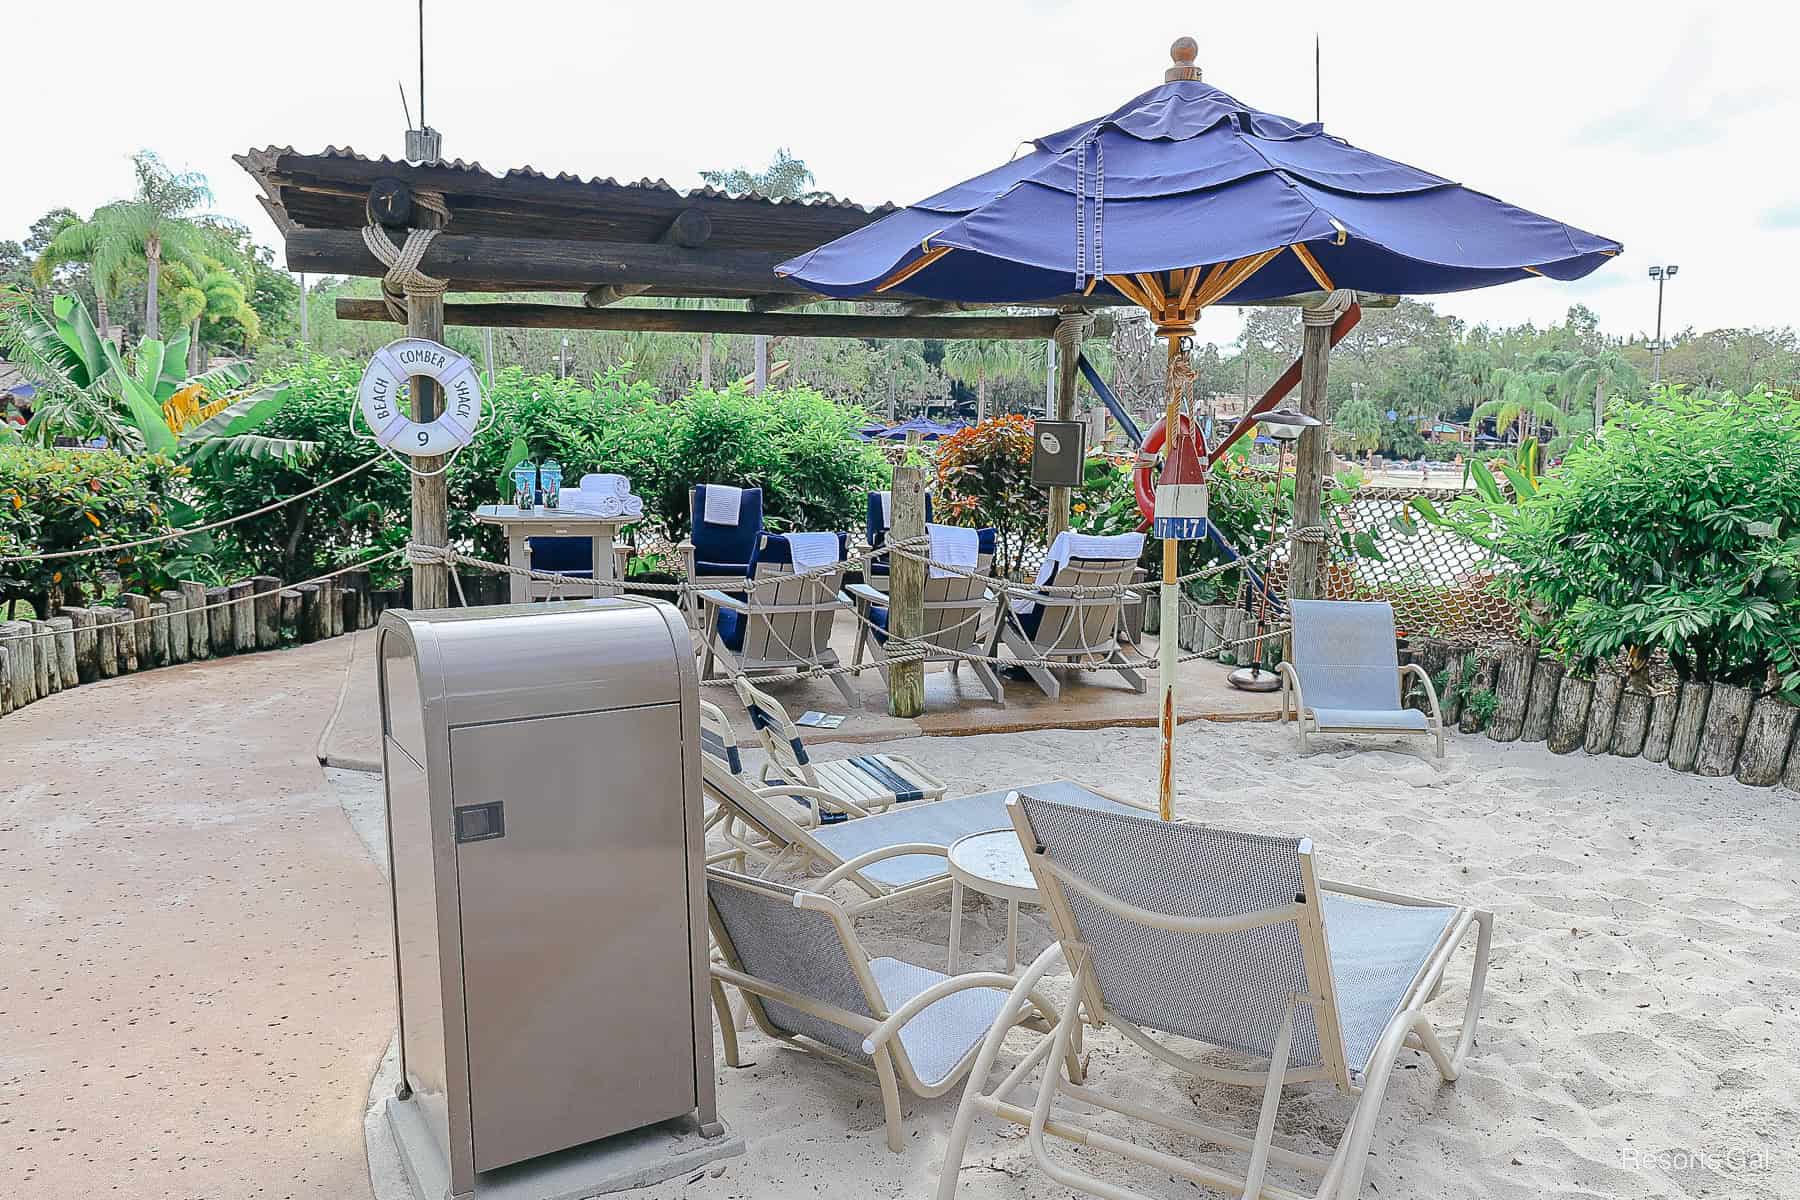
<point>56,500</point>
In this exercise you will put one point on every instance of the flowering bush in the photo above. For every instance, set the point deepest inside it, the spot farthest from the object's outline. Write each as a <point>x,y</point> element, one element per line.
<point>984,478</point>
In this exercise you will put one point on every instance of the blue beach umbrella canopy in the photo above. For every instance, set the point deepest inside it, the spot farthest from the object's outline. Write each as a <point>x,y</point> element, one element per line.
<point>1186,176</point>
<point>924,426</point>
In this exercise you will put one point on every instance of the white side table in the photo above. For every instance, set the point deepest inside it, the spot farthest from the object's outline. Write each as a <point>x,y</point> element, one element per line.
<point>993,864</point>
<point>520,524</point>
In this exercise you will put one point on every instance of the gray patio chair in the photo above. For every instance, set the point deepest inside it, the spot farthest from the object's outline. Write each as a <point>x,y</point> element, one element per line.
<point>795,958</point>
<point>1077,630</point>
<point>1228,940</point>
<point>1344,675</point>
<point>780,624</point>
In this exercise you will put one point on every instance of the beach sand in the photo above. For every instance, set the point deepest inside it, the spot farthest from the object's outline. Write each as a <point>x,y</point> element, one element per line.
<point>1640,1036</point>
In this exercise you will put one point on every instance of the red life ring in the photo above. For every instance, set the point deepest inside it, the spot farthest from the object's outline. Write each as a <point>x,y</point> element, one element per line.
<point>1189,468</point>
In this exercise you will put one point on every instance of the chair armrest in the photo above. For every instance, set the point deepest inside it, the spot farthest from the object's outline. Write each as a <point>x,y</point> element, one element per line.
<point>864,594</point>
<point>1430,688</point>
<point>722,600</point>
<point>688,561</point>
<point>856,864</point>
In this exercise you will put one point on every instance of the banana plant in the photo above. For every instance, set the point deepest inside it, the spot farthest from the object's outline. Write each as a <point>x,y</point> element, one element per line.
<point>1482,517</point>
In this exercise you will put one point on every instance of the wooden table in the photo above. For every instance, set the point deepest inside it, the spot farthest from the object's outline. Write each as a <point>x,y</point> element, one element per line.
<point>522,523</point>
<point>992,863</point>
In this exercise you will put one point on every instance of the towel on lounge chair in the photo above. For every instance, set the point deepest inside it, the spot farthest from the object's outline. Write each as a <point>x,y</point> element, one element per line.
<point>722,503</point>
<point>1069,544</point>
<point>886,500</point>
<point>810,550</point>
<point>953,544</point>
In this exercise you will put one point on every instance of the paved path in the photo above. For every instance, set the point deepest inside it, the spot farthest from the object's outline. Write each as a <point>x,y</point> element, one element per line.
<point>194,979</point>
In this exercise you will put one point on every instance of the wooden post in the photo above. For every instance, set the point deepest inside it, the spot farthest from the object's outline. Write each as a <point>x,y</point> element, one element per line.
<point>290,614</point>
<point>1603,716</point>
<point>906,591</point>
<point>6,700</point>
<point>268,611</point>
<point>87,643</point>
<point>331,597</point>
<point>218,621</point>
<point>107,630</point>
<point>1481,681</point>
<point>1662,726</point>
<point>46,678</point>
<point>1540,706</point>
<point>1633,724</point>
<point>159,634</point>
<point>1512,688</point>
<point>358,582</point>
<point>178,625</point>
<point>1306,561</point>
<point>1450,699</point>
<point>1568,724</point>
<point>311,626</point>
<point>243,617</point>
<point>1727,716</point>
<point>199,635</point>
<point>21,671</point>
<point>134,632</point>
<point>1071,331</point>
<point>1766,741</point>
<point>430,494</point>
<point>65,650</point>
<point>1690,725</point>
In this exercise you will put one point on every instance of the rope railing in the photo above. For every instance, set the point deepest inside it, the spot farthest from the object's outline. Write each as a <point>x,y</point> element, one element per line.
<point>190,531</point>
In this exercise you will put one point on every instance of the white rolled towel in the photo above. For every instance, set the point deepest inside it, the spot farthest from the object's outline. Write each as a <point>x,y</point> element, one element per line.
<point>606,484</point>
<point>634,506</point>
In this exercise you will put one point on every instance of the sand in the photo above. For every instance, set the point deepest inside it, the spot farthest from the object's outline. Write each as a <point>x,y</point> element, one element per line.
<point>1640,1032</point>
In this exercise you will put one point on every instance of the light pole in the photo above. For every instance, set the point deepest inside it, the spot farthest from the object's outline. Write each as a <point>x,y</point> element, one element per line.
<point>1662,275</point>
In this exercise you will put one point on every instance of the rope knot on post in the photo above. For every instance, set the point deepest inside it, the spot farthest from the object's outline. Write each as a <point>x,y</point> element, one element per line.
<point>1072,327</point>
<point>404,276</point>
<point>1335,305</point>
<point>420,555</point>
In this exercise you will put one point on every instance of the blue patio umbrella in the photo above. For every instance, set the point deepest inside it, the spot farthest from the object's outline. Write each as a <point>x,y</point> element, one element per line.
<point>923,426</point>
<point>1185,197</point>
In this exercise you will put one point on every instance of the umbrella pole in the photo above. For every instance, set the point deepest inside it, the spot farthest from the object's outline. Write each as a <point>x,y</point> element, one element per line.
<point>1169,644</point>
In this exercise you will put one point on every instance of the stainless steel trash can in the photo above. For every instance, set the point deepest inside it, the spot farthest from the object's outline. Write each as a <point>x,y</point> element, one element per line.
<point>544,824</point>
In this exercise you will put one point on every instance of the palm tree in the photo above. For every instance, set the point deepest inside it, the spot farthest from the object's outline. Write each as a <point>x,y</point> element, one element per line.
<point>155,224</point>
<point>973,360</point>
<point>1596,375</point>
<point>1521,397</point>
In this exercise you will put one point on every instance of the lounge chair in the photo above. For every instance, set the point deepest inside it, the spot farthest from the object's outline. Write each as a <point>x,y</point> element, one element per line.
<point>898,852</point>
<point>776,556</point>
<point>875,532</point>
<point>1080,629</point>
<point>778,625</point>
<point>1227,940</point>
<point>795,958</point>
<point>1344,675</point>
<point>870,783</point>
<point>719,553</point>
<point>955,608</point>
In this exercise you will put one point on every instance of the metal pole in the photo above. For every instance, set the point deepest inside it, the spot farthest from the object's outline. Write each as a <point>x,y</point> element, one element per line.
<point>303,308</point>
<point>1656,358</point>
<point>1168,645</point>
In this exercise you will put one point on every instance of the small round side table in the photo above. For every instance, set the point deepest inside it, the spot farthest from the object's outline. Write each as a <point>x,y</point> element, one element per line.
<point>992,863</point>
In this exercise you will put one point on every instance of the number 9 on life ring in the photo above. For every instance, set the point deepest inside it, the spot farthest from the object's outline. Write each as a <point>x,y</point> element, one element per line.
<point>379,398</point>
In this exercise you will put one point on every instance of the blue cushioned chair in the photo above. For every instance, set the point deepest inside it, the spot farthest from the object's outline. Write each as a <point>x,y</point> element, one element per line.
<point>876,531</point>
<point>720,556</point>
<point>954,608</point>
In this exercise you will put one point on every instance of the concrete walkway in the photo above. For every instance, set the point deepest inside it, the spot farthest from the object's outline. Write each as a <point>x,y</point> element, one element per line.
<point>194,953</point>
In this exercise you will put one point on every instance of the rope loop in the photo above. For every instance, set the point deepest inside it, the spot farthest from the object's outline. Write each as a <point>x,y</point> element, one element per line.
<point>404,276</point>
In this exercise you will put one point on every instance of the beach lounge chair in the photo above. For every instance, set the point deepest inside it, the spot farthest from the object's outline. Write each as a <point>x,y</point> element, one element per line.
<point>1230,941</point>
<point>899,852</point>
<point>870,783</point>
<point>956,609</point>
<point>1344,675</point>
<point>776,556</point>
<point>795,958</point>
<point>778,625</point>
<point>726,531</point>
<point>1078,629</point>
<point>875,532</point>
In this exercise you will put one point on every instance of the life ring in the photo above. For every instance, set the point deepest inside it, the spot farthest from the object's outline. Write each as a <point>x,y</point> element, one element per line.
<point>394,429</point>
<point>1189,467</point>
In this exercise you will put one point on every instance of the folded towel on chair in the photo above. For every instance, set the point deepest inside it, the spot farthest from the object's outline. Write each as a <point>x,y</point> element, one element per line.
<point>953,544</point>
<point>1069,544</point>
<point>887,510</point>
<point>810,550</point>
<point>722,504</point>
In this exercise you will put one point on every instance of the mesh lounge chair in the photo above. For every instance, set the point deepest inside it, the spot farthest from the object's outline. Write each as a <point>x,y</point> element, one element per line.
<point>1345,674</point>
<point>955,606</point>
<point>1228,940</point>
<point>795,958</point>
<point>1076,629</point>
<point>721,556</point>
<point>899,852</point>
<point>782,624</point>
<point>869,782</point>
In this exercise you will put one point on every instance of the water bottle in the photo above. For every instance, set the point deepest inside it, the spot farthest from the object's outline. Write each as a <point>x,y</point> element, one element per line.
<point>524,485</point>
<point>550,482</point>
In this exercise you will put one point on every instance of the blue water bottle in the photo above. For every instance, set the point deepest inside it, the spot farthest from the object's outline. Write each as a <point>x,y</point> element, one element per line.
<point>524,485</point>
<point>550,482</point>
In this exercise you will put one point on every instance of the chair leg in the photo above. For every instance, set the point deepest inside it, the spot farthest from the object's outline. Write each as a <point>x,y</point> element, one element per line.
<point>727,1025</point>
<point>890,1098</point>
<point>990,681</point>
<point>846,691</point>
<point>1129,675</point>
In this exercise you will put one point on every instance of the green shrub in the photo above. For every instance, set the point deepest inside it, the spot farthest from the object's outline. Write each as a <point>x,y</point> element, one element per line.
<point>1678,530</point>
<point>56,500</point>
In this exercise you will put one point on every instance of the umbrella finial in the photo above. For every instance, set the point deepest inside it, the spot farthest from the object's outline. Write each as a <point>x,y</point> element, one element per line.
<point>1184,51</point>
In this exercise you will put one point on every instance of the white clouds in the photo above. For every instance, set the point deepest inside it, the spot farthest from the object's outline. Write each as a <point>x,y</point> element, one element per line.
<point>1669,131</point>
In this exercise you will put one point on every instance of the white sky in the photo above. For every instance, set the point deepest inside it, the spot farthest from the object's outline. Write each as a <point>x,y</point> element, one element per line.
<point>1667,126</point>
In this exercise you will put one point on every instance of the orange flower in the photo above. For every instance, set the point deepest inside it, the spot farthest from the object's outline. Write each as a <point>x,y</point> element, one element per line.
<point>90,516</point>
